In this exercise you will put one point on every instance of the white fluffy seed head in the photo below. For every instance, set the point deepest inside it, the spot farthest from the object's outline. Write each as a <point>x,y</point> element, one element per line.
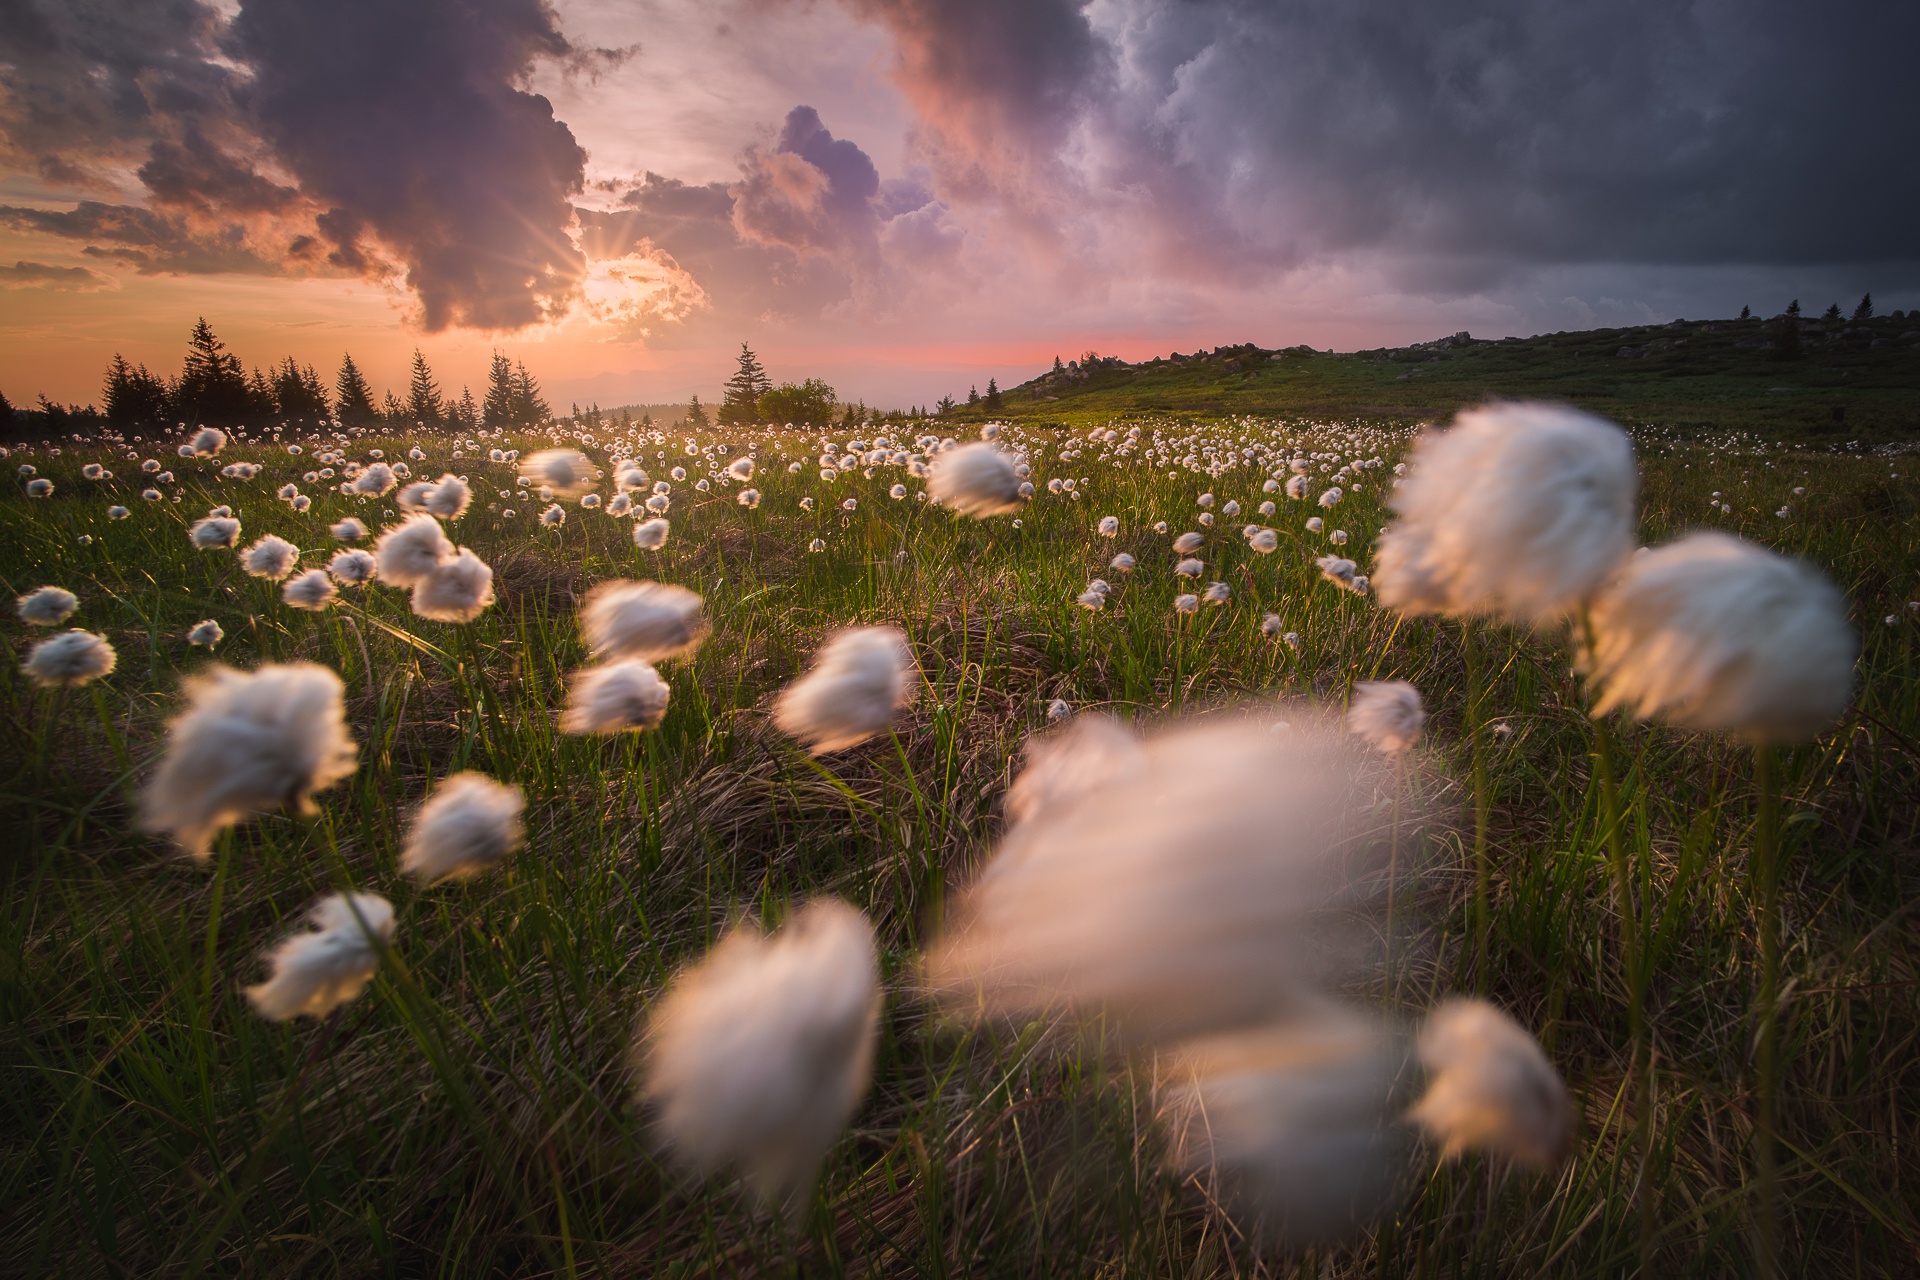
<point>348,530</point>
<point>1217,593</point>
<point>1091,599</point>
<point>650,620</point>
<point>206,634</point>
<point>413,497</point>
<point>312,590</point>
<point>651,535</point>
<point>1187,884</point>
<point>1123,563</point>
<point>248,742</point>
<point>375,479</point>
<point>71,658</point>
<point>1490,1088</point>
<point>207,442</point>
<point>974,480</point>
<point>758,1056</point>
<point>1187,543</point>
<point>1109,526</point>
<point>554,516</point>
<point>320,969</point>
<point>858,679</point>
<point>741,468</point>
<point>1519,511</point>
<point>459,589</point>
<point>467,825</point>
<point>448,498</point>
<point>1189,568</point>
<point>410,551</point>
<point>213,532</point>
<point>1386,715</point>
<point>1715,633</point>
<point>1186,603</point>
<point>1331,497</point>
<point>353,567</point>
<point>47,606</point>
<point>1291,1125</point>
<point>1264,541</point>
<point>615,697</point>
<point>272,558</point>
<point>565,471</point>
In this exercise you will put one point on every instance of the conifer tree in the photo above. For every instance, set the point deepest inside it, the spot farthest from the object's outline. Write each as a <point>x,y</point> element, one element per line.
<point>529,410</point>
<point>423,394</point>
<point>392,412</point>
<point>352,397</point>
<point>134,395</point>
<point>464,413</point>
<point>744,389</point>
<point>992,399</point>
<point>697,414</point>
<point>1865,310</point>
<point>213,384</point>
<point>496,410</point>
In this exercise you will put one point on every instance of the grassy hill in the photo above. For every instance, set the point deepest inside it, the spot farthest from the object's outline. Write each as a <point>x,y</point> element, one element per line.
<point>1850,379</point>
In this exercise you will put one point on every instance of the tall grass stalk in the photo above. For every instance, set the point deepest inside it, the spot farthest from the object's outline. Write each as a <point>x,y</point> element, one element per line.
<point>1766,877</point>
<point>1470,646</point>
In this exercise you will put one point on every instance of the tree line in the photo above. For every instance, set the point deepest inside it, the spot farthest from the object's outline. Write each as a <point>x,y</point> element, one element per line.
<point>213,388</point>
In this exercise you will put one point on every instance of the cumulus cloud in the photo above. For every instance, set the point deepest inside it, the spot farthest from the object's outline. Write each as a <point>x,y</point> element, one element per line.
<point>38,275</point>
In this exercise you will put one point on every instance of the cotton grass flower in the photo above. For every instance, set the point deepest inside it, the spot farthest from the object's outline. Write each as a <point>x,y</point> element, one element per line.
<point>1331,497</point>
<point>466,827</point>
<point>317,971</point>
<point>1109,526</point>
<point>409,552</point>
<point>1490,1088</point>
<point>312,591</point>
<point>1123,563</point>
<point>1188,603</point>
<point>205,635</point>
<point>553,517</point>
<point>117,512</point>
<point>150,495</point>
<point>616,697</point>
<point>373,480</point>
<point>1338,570</point>
<point>741,468</point>
<point>758,1056</point>
<point>1714,633</point>
<point>750,498</point>
<point>1264,541</point>
<point>567,472</point>
<point>1290,1125</point>
<point>1091,599</point>
<point>207,442</point>
<point>1386,715</point>
<point>248,742</point>
<point>353,567</point>
<point>1272,625</point>
<point>1189,568</point>
<point>1217,593</point>
<point>1188,543</point>
<point>1315,524</point>
<point>213,532</point>
<point>459,589</point>
<point>858,679</point>
<point>71,658</point>
<point>974,480</point>
<point>448,498</point>
<point>347,529</point>
<point>1189,889</point>
<point>651,535</point>
<point>620,504</point>
<point>1519,511</point>
<point>271,557</point>
<point>650,620</point>
<point>46,606</point>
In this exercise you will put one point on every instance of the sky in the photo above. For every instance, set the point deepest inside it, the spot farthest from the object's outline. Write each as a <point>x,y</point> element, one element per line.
<point>907,197</point>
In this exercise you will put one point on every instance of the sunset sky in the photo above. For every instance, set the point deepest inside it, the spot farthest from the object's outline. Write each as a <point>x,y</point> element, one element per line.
<point>906,197</point>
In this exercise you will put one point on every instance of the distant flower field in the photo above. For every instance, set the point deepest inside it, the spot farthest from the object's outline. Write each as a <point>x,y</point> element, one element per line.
<point>1136,848</point>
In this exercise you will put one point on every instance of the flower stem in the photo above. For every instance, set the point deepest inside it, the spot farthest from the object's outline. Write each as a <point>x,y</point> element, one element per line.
<point>1482,802</point>
<point>1766,876</point>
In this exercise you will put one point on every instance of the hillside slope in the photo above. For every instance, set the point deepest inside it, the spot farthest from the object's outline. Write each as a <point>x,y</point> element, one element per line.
<point>1851,379</point>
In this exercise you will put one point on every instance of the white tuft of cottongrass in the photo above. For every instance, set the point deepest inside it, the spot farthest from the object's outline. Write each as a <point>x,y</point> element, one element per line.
<point>373,480</point>
<point>449,498</point>
<point>1264,541</point>
<point>47,606</point>
<point>1186,603</point>
<point>248,742</point>
<point>1291,1125</point>
<point>1187,543</point>
<point>1096,752</point>
<point>469,824</point>
<point>206,634</point>
<point>857,681</point>
<point>553,517</point>
<point>271,557</point>
<point>1123,563</point>
<point>651,535</point>
<point>318,970</point>
<point>616,697</point>
<point>974,480</point>
<point>1386,714</point>
<point>1185,889</point>
<point>758,1056</point>
<point>348,529</point>
<point>566,472</point>
<point>650,620</point>
<point>1715,633</point>
<point>741,468</point>
<point>1519,511</point>
<point>213,532</point>
<point>1109,526</point>
<point>71,658</point>
<point>410,551</point>
<point>312,590</point>
<point>353,567</point>
<point>207,442</point>
<point>1189,568</point>
<point>1490,1088</point>
<point>459,589</point>
<point>1217,593</point>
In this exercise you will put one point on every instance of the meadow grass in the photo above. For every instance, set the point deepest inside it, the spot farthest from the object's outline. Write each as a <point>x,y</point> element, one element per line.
<point>474,1114</point>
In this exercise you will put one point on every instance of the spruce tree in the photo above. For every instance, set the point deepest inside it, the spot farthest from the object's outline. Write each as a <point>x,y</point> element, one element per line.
<point>392,412</point>
<point>973,395</point>
<point>464,413</point>
<point>749,382</point>
<point>529,410</point>
<point>496,411</point>
<point>1746,313</point>
<point>1865,310</point>
<point>1832,313</point>
<point>213,384</point>
<point>423,394</point>
<point>697,414</point>
<point>352,397</point>
<point>992,398</point>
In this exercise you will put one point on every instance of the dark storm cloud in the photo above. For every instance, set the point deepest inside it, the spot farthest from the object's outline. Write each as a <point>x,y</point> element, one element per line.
<point>406,117</point>
<point>1485,134</point>
<point>150,241</point>
<point>812,193</point>
<point>316,135</point>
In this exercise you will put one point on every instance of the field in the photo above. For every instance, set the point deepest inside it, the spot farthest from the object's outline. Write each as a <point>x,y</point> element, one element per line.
<point>475,1115</point>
